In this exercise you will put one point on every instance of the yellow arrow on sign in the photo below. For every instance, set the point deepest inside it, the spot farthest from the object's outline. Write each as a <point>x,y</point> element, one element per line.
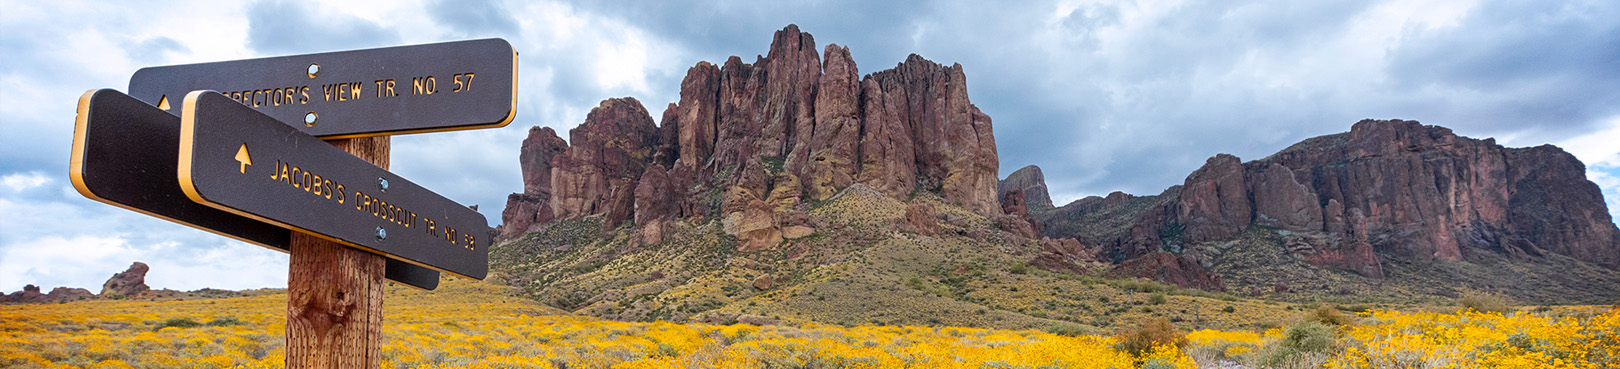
<point>242,157</point>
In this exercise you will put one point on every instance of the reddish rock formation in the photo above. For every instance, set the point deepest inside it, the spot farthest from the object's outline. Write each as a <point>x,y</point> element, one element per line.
<point>698,113</point>
<point>597,174</point>
<point>887,151</point>
<point>526,211</point>
<point>1012,203</point>
<point>757,228</point>
<point>1066,254</point>
<point>920,218</point>
<point>786,126</point>
<point>764,282</point>
<point>1385,189</point>
<point>655,198</point>
<point>539,148</point>
<point>1030,183</point>
<point>30,295</point>
<point>68,294</point>
<point>836,140</point>
<point>959,157</point>
<point>1182,271</point>
<point>127,283</point>
<point>1214,201</point>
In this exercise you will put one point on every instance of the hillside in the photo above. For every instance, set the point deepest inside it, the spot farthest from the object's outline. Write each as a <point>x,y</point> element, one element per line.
<point>861,267</point>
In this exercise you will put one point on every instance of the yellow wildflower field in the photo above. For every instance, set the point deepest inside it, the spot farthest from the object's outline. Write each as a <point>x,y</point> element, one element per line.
<point>478,325</point>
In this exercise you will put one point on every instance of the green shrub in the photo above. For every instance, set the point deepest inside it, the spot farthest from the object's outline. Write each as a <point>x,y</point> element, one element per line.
<point>177,323</point>
<point>1485,302</point>
<point>221,322</point>
<point>1329,315</point>
<point>1149,332</point>
<point>1156,299</point>
<point>1304,345</point>
<point>1308,336</point>
<point>1229,310</point>
<point>1063,329</point>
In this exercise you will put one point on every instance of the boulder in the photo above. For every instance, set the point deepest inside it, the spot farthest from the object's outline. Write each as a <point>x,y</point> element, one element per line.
<point>757,228</point>
<point>764,282</point>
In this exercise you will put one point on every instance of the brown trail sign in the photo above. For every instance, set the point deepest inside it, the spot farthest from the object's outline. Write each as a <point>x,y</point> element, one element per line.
<point>124,154</point>
<point>236,159</point>
<point>359,93</point>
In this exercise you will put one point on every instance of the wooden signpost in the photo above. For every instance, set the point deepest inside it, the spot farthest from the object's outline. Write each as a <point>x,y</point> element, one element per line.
<point>301,143</point>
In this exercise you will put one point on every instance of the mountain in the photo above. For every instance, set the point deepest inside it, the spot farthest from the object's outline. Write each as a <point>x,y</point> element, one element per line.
<point>747,142</point>
<point>795,189</point>
<point>1394,203</point>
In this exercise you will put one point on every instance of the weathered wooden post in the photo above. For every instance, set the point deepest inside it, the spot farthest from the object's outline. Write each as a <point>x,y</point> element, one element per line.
<point>335,293</point>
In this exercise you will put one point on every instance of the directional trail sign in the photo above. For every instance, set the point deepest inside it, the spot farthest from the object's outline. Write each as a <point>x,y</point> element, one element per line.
<point>239,160</point>
<point>124,154</point>
<point>360,93</point>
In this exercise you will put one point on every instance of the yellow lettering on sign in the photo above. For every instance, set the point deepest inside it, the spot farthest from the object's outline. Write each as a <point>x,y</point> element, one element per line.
<point>424,85</point>
<point>460,85</point>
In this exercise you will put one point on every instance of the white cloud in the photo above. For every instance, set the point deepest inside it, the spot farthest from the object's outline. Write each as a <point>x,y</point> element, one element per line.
<point>19,182</point>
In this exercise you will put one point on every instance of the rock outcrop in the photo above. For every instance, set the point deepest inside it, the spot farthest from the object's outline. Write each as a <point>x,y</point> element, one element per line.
<point>1386,189</point>
<point>797,124</point>
<point>526,211</point>
<point>30,295</point>
<point>597,173</point>
<point>1181,270</point>
<point>127,283</point>
<point>1031,186</point>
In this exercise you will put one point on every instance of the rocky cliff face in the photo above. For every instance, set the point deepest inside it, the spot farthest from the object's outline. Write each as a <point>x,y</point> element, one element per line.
<point>527,210</point>
<point>1031,185</point>
<point>754,141</point>
<point>1385,189</point>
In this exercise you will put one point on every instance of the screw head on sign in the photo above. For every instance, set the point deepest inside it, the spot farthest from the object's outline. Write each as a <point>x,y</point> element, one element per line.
<point>382,184</point>
<point>382,233</point>
<point>314,70</point>
<point>309,119</point>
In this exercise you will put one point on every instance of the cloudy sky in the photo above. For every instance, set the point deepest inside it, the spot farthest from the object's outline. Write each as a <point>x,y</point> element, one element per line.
<point>1103,95</point>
